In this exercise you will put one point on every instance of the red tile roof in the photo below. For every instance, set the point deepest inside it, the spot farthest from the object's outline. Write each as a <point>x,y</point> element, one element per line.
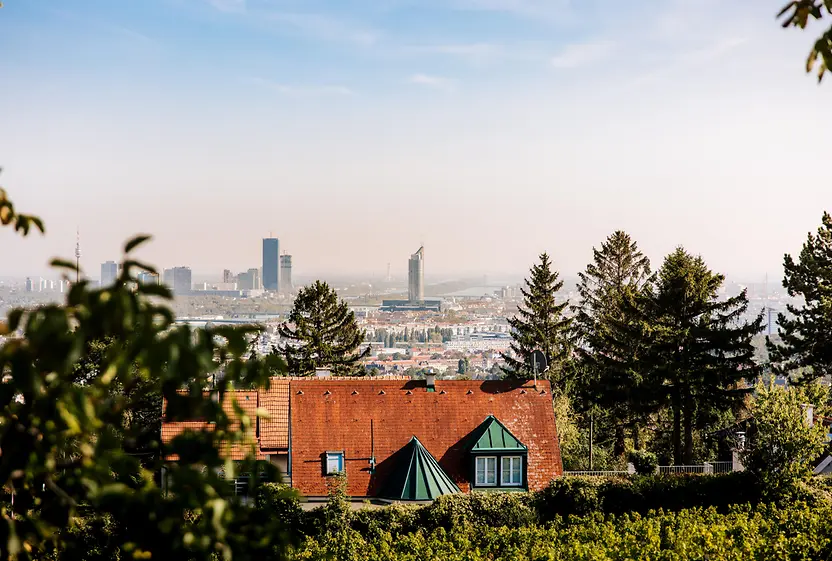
<point>274,431</point>
<point>335,415</point>
<point>248,402</point>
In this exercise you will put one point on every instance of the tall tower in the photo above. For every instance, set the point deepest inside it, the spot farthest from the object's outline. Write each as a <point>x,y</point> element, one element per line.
<point>286,273</point>
<point>416,276</point>
<point>271,264</point>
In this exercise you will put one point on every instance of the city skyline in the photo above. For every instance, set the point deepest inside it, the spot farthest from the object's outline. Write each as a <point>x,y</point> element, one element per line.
<point>509,129</point>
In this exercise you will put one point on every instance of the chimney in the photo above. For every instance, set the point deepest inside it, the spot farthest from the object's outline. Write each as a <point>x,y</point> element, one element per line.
<point>322,373</point>
<point>430,381</point>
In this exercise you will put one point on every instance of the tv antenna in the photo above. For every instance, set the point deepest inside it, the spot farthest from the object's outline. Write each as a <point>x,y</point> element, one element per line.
<point>539,364</point>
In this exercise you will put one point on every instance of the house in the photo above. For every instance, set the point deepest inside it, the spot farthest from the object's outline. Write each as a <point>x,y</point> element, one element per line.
<point>406,440</point>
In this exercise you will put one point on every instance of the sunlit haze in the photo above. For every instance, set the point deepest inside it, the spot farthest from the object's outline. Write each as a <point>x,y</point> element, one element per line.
<point>356,131</point>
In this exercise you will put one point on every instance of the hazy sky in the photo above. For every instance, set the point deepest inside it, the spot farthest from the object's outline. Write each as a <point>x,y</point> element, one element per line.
<point>355,130</point>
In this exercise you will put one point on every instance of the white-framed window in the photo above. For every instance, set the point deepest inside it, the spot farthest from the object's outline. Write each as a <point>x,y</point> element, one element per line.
<point>486,468</point>
<point>511,471</point>
<point>334,462</point>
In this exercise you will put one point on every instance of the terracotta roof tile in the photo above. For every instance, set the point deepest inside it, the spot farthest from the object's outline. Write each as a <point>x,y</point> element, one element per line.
<point>327,416</point>
<point>274,431</point>
<point>246,399</point>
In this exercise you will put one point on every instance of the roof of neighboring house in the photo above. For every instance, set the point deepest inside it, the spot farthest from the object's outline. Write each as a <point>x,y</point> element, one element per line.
<point>417,476</point>
<point>248,402</point>
<point>274,431</point>
<point>379,417</point>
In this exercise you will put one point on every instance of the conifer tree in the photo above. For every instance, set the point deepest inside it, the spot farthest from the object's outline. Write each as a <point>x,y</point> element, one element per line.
<point>698,350</point>
<point>609,358</point>
<point>806,333</point>
<point>321,333</point>
<point>540,325</point>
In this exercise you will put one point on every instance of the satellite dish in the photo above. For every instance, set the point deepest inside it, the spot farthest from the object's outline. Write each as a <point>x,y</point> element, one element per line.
<point>539,364</point>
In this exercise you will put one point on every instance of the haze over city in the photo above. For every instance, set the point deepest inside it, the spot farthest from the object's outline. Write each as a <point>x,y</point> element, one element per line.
<point>487,130</point>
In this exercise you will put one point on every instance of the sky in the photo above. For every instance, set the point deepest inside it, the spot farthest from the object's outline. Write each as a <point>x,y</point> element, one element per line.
<point>357,130</point>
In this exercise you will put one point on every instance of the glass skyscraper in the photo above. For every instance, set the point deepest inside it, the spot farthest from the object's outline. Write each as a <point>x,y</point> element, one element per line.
<point>271,264</point>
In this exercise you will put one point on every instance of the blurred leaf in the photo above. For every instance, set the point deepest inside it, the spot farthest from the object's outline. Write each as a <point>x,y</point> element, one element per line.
<point>135,242</point>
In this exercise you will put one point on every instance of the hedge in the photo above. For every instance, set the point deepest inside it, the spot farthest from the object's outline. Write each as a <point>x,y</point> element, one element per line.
<point>762,533</point>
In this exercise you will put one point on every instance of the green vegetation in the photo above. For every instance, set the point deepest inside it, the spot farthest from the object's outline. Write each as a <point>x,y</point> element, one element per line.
<point>613,374</point>
<point>798,13</point>
<point>322,333</point>
<point>78,382</point>
<point>541,325</point>
<point>806,332</point>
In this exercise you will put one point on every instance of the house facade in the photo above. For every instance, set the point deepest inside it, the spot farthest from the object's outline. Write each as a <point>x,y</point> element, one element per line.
<point>406,440</point>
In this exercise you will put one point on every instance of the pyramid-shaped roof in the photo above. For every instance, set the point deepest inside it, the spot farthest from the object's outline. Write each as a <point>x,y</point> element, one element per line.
<point>417,476</point>
<point>492,436</point>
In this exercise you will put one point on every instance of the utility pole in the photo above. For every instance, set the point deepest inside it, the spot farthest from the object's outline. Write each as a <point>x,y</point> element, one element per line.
<point>591,435</point>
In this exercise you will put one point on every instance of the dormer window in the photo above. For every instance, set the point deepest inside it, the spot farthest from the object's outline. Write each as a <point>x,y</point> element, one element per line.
<point>498,458</point>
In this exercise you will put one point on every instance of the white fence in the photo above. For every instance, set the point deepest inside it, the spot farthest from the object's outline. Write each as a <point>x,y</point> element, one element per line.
<point>707,467</point>
<point>596,473</point>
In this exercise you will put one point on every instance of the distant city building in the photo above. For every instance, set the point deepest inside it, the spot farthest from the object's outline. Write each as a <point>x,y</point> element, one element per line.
<point>109,272</point>
<point>227,277</point>
<point>416,276</point>
<point>178,280</point>
<point>148,278</point>
<point>286,273</point>
<point>271,264</point>
<point>250,280</point>
<point>29,285</point>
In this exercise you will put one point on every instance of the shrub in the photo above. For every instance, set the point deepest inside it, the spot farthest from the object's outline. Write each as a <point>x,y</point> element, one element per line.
<point>567,496</point>
<point>644,462</point>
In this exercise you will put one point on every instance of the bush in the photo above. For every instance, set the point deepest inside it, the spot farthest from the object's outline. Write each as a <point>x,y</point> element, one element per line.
<point>281,502</point>
<point>762,533</point>
<point>479,509</point>
<point>645,463</point>
<point>580,496</point>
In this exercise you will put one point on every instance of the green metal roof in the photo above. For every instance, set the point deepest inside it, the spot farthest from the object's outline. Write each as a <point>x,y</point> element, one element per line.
<point>492,436</point>
<point>418,476</point>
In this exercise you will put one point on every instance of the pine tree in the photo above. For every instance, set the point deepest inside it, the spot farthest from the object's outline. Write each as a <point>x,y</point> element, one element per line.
<point>322,333</point>
<point>806,333</point>
<point>540,325</point>
<point>698,349</point>
<point>609,358</point>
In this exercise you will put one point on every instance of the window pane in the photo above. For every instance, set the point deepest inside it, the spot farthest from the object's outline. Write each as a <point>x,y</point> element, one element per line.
<point>505,471</point>
<point>516,471</point>
<point>480,479</point>
<point>491,471</point>
<point>334,463</point>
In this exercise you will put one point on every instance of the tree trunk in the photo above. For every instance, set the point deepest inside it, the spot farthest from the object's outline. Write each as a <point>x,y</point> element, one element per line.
<point>688,415</point>
<point>619,447</point>
<point>636,437</point>
<point>677,428</point>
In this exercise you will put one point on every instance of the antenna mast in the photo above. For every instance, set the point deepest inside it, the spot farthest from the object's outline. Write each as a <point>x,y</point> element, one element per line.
<point>77,255</point>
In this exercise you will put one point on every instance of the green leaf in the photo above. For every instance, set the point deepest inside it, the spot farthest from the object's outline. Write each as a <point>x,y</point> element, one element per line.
<point>63,264</point>
<point>135,242</point>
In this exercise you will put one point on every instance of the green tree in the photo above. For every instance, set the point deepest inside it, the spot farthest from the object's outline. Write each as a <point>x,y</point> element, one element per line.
<point>63,438</point>
<point>798,13</point>
<point>540,325</point>
<point>781,445</point>
<point>613,376</point>
<point>322,333</point>
<point>806,332</point>
<point>463,366</point>
<point>699,349</point>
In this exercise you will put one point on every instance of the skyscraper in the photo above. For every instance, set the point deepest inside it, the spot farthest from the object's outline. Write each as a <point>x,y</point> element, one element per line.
<point>286,273</point>
<point>416,276</point>
<point>29,285</point>
<point>109,272</point>
<point>178,280</point>
<point>271,264</point>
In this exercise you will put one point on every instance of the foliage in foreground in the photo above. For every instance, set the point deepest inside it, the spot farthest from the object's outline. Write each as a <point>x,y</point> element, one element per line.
<point>66,466</point>
<point>744,533</point>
